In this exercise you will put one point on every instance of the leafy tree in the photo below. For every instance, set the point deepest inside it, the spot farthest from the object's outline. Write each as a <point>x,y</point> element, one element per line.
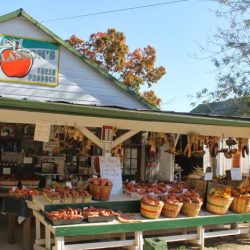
<point>230,52</point>
<point>110,51</point>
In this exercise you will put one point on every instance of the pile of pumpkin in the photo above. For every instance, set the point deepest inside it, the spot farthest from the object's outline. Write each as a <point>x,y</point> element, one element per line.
<point>220,200</point>
<point>188,203</point>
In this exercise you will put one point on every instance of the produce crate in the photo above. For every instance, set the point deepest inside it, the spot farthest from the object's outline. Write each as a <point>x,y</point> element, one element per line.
<point>77,200</point>
<point>86,199</point>
<point>154,244</point>
<point>60,222</point>
<point>94,219</point>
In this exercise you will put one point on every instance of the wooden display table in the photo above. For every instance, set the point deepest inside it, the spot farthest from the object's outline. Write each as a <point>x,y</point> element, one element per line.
<point>195,229</point>
<point>15,207</point>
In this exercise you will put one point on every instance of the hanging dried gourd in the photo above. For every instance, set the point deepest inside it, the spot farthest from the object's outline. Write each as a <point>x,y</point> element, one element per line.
<point>152,143</point>
<point>243,146</point>
<point>170,139</point>
<point>197,146</point>
<point>118,151</point>
<point>213,145</point>
<point>192,138</point>
<point>77,135</point>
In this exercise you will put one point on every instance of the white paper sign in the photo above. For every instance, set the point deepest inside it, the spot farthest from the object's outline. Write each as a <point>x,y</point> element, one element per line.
<point>236,174</point>
<point>110,168</point>
<point>6,170</point>
<point>208,176</point>
<point>50,145</point>
<point>42,131</point>
<point>27,160</point>
<point>69,184</point>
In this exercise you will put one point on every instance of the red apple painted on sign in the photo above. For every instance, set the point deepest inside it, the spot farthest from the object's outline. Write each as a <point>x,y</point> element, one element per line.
<point>15,63</point>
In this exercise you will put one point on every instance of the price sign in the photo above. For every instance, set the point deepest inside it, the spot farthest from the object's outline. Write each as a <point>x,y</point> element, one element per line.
<point>208,176</point>
<point>110,168</point>
<point>69,184</point>
<point>42,131</point>
<point>6,171</point>
<point>236,174</point>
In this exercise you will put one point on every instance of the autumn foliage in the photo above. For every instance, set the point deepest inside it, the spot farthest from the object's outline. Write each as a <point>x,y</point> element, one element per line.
<point>110,51</point>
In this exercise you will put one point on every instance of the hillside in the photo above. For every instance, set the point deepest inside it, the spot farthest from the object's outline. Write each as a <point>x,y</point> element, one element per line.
<point>231,107</point>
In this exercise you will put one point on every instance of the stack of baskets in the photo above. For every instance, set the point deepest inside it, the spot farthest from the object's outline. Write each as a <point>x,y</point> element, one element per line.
<point>151,207</point>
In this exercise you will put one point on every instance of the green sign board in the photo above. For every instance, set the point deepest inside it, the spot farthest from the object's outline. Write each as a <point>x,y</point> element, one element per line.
<point>25,60</point>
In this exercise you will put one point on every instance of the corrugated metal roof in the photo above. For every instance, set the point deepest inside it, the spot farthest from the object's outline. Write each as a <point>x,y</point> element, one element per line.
<point>122,113</point>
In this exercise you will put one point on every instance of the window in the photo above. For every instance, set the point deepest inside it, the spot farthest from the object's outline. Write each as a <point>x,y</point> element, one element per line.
<point>131,165</point>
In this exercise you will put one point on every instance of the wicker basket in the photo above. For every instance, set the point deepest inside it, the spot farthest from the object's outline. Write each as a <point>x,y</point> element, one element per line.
<point>67,200</point>
<point>101,193</point>
<point>217,205</point>
<point>240,205</point>
<point>91,187</point>
<point>171,211</point>
<point>151,211</point>
<point>8,183</point>
<point>77,200</point>
<point>86,199</point>
<point>30,183</point>
<point>191,209</point>
<point>197,185</point>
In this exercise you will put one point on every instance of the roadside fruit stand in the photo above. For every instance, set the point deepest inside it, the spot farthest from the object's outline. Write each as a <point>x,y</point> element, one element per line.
<point>94,163</point>
<point>132,231</point>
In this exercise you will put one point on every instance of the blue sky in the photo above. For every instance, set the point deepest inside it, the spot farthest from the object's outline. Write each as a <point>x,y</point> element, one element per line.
<point>174,30</point>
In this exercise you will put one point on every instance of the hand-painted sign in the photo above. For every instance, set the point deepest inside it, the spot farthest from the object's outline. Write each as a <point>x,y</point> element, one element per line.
<point>25,60</point>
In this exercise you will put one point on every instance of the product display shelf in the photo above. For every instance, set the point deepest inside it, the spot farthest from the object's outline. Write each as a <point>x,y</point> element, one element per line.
<point>191,228</point>
<point>141,227</point>
<point>123,203</point>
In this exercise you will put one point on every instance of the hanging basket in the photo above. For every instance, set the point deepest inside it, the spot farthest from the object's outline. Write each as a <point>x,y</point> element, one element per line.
<point>218,205</point>
<point>198,153</point>
<point>240,205</point>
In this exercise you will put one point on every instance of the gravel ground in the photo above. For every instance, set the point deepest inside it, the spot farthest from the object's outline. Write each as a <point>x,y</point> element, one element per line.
<point>221,243</point>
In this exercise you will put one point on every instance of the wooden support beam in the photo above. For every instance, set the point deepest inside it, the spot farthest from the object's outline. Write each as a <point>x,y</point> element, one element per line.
<point>176,139</point>
<point>91,136</point>
<point>124,137</point>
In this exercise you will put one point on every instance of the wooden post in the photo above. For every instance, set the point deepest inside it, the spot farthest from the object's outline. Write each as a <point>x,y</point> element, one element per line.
<point>12,220</point>
<point>200,236</point>
<point>26,233</point>
<point>139,240</point>
<point>47,238</point>
<point>59,243</point>
<point>38,229</point>
<point>123,236</point>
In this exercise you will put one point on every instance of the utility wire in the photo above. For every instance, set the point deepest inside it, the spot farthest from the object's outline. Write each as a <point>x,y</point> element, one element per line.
<point>112,11</point>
